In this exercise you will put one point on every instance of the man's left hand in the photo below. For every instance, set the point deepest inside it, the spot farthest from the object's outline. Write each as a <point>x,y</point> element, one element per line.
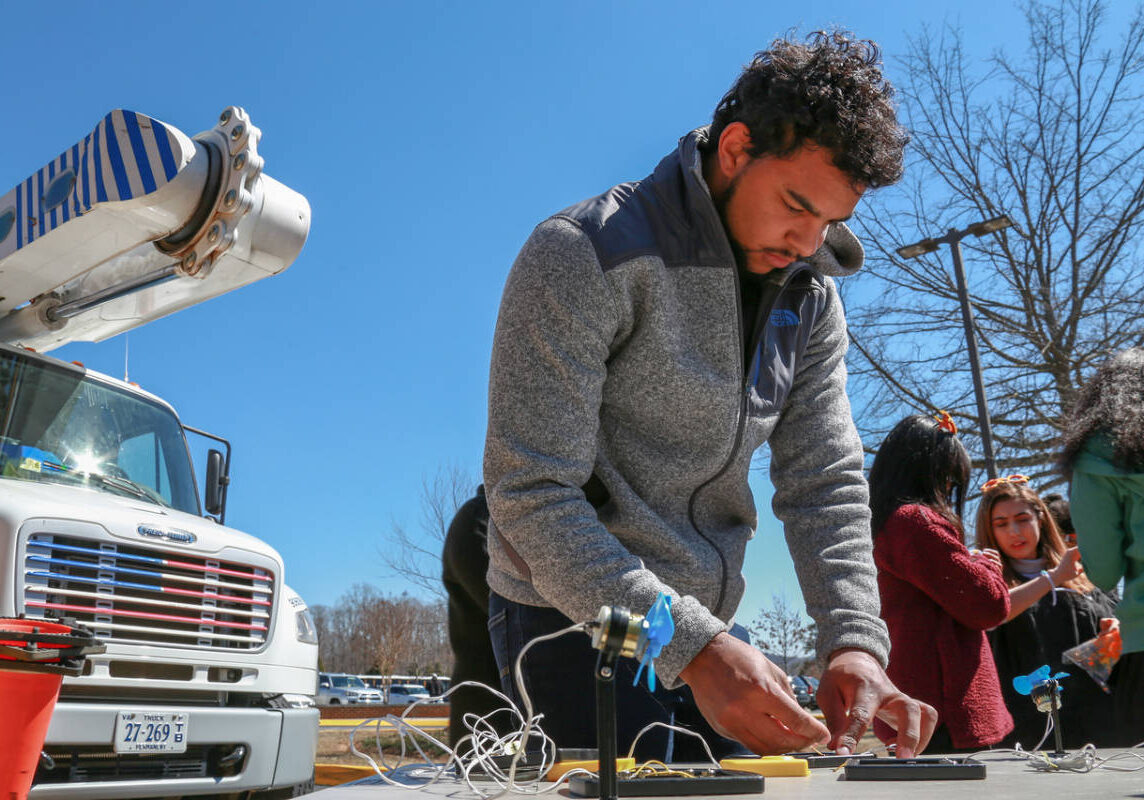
<point>855,689</point>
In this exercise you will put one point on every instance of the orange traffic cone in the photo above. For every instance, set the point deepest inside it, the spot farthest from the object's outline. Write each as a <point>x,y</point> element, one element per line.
<point>32,665</point>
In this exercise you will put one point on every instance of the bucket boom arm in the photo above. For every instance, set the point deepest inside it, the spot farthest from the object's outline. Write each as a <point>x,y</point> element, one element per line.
<point>137,221</point>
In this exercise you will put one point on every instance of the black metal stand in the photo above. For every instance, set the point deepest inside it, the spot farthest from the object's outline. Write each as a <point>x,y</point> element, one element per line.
<point>606,724</point>
<point>1049,694</point>
<point>1055,711</point>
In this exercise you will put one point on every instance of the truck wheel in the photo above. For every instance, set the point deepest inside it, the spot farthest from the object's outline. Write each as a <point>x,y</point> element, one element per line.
<point>335,701</point>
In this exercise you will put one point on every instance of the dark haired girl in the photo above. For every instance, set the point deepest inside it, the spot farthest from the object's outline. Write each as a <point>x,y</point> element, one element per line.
<point>938,598</point>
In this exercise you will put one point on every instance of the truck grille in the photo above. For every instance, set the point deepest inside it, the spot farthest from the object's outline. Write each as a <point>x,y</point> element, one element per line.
<point>138,595</point>
<point>90,764</point>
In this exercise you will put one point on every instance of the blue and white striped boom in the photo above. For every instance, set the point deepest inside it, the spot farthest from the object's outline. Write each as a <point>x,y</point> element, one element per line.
<point>138,220</point>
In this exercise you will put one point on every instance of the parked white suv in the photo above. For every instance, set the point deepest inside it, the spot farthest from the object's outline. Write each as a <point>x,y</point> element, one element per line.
<point>402,694</point>
<point>335,689</point>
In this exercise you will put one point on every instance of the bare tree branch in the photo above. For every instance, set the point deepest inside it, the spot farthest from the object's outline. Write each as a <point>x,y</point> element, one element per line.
<point>1051,137</point>
<point>415,555</point>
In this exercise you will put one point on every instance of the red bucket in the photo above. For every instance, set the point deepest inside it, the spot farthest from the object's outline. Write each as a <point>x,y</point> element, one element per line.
<point>26,702</point>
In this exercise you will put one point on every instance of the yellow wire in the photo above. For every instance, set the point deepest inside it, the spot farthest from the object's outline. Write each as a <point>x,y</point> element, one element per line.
<point>656,768</point>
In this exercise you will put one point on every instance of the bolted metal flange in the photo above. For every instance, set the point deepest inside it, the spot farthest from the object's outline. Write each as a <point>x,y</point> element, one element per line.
<point>236,139</point>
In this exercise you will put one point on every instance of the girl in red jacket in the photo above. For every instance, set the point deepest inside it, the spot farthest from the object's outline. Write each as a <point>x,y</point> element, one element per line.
<point>938,598</point>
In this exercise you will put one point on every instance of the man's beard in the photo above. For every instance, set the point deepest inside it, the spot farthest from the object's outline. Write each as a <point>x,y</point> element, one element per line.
<point>722,201</point>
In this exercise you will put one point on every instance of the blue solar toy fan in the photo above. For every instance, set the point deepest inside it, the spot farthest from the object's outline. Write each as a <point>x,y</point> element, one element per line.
<point>1045,691</point>
<point>618,632</point>
<point>660,629</point>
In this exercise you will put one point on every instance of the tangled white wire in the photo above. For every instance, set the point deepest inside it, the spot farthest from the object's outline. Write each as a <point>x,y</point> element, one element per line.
<point>1083,760</point>
<point>476,758</point>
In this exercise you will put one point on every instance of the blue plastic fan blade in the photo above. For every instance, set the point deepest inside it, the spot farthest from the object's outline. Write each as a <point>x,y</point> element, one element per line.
<point>1024,684</point>
<point>661,627</point>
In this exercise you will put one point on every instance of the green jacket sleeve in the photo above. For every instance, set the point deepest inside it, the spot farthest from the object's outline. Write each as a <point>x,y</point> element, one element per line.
<point>1096,512</point>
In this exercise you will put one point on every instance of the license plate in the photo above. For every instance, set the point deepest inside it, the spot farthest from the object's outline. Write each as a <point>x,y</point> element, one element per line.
<point>150,732</point>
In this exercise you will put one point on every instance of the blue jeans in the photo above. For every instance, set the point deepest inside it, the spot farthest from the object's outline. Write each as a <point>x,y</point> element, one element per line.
<point>559,676</point>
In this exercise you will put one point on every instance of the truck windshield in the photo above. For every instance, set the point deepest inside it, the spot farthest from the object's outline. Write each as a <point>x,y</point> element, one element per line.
<point>58,425</point>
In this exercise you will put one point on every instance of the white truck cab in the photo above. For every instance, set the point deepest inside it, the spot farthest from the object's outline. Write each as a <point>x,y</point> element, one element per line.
<point>210,666</point>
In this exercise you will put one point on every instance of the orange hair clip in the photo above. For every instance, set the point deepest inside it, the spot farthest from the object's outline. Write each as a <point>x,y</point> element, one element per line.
<point>1014,479</point>
<point>945,422</point>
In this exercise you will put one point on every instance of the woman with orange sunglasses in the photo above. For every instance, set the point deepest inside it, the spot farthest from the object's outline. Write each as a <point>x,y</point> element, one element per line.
<point>1053,607</point>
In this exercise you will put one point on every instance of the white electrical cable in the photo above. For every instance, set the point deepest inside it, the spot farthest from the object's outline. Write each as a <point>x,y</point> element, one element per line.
<point>1048,730</point>
<point>473,756</point>
<point>1102,763</point>
<point>677,729</point>
<point>529,718</point>
<point>1082,761</point>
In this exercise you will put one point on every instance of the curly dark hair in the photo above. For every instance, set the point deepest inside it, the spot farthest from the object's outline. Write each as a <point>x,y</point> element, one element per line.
<point>919,462</point>
<point>1112,404</point>
<point>829,91</point>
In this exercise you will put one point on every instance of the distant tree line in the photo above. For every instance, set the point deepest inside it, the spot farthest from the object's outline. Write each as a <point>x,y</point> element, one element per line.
<point>370,633</point>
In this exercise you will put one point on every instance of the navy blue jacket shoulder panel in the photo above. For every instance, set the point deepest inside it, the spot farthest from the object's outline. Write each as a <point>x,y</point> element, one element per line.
<point>656,216</point>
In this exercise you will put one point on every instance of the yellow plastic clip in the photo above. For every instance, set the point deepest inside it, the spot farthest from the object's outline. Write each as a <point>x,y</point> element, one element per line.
<point>769,766</point>
<point>560,768</point>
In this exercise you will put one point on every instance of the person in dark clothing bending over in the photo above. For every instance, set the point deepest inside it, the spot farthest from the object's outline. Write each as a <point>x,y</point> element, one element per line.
<point>465,560</point>
<point>649,341</point>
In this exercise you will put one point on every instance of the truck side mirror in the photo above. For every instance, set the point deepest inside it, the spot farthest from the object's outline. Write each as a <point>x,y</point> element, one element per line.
<point>216,480</point>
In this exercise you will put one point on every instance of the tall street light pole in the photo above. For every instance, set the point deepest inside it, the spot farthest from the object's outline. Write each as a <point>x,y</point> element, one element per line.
<point>953,238</point>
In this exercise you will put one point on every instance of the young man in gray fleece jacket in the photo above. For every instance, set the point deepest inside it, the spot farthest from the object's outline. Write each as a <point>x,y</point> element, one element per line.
<point>649,340</point>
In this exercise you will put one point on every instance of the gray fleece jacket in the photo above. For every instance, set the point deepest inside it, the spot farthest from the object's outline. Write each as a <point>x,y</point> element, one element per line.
<point>622,426</point>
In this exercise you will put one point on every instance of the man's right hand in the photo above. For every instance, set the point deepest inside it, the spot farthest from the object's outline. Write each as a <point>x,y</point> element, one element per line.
<point>747,698</point>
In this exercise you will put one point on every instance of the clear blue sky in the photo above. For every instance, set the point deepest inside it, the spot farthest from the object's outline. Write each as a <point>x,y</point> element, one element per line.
<point>429,138</point>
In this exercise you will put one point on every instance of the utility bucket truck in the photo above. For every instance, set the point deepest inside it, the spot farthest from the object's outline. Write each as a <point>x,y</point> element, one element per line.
<point>206,684</point>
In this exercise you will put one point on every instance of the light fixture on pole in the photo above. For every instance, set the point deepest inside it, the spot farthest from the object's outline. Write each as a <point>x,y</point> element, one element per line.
<point>953,238</point>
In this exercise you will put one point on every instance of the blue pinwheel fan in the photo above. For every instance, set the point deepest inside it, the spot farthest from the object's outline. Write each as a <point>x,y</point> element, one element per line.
<point>1025,684</point>
<point>660,629</point>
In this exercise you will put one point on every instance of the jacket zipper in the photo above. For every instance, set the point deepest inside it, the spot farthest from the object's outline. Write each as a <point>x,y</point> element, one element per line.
<point>741,422</point>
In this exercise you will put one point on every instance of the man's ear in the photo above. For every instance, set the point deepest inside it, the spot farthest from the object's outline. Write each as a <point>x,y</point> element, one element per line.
<point>733,151</point>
